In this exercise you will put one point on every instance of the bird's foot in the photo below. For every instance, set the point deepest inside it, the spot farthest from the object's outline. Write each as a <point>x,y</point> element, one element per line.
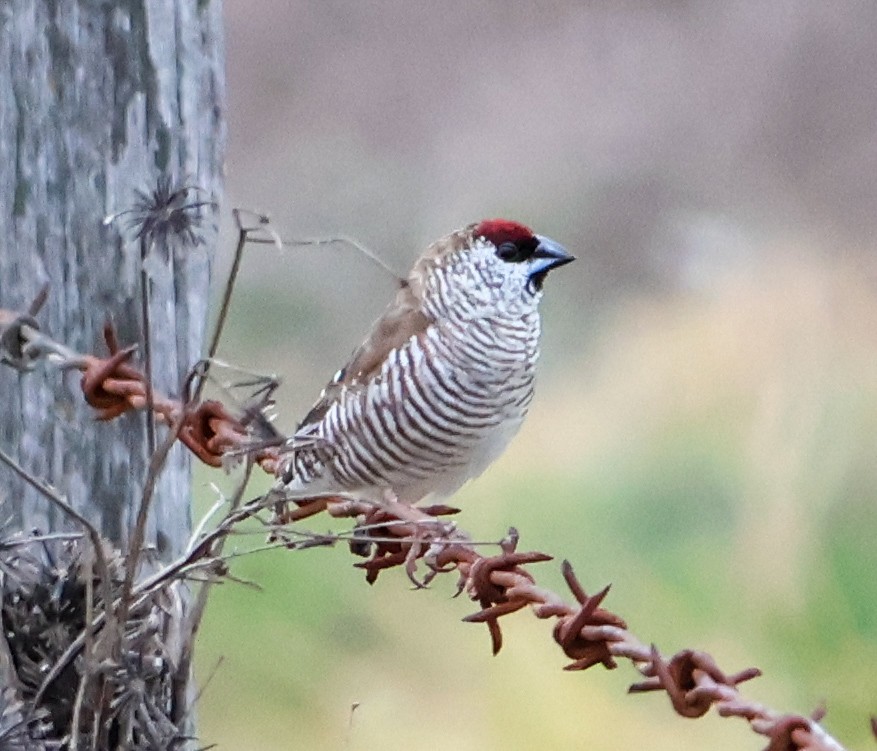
<point>422,518</point>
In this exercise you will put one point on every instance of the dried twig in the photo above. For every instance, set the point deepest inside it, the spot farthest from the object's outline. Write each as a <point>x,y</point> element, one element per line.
<point>193,622</point>
<point>334,240</point>
<point>225,304</point>
<point>56,499</point>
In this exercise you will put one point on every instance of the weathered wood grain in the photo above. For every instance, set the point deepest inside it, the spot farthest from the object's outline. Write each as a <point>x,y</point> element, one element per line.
<point>97,99</point>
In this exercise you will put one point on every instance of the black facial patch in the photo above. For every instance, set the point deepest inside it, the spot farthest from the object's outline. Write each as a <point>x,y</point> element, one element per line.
<point>517,252</point>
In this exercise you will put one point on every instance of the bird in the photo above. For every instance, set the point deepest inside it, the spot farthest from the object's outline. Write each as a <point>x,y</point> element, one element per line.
<point>441,383</point>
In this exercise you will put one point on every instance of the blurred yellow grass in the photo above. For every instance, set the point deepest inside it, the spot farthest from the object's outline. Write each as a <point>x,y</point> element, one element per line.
<point>713,457</point>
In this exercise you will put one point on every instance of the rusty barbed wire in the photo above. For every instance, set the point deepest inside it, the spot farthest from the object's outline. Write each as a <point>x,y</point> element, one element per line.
<point>113,386</point>
<point>587,633</point>
<point>394,535</point>
<point>388,536</point>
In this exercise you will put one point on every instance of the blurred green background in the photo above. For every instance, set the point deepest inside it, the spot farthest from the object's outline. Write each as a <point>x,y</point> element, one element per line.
<point>703,432</point>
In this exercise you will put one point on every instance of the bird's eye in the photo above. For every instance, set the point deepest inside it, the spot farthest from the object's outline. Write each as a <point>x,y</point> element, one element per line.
<point>510,252</point>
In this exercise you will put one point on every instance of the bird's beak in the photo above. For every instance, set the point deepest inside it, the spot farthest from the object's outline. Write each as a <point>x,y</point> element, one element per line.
<point>548,255</point>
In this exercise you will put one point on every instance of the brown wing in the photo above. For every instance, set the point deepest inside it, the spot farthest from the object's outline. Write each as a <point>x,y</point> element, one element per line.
<point>402,319</point>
